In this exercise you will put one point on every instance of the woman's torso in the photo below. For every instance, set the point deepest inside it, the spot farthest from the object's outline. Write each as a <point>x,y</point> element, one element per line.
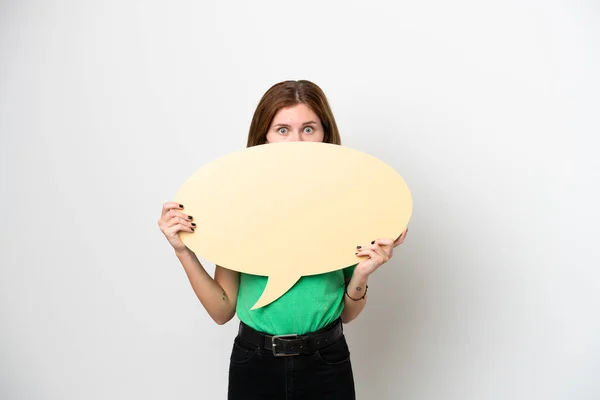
<point>312,303</point>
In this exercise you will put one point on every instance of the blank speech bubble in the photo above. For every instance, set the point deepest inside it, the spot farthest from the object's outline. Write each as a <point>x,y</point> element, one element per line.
<point>286,210</point>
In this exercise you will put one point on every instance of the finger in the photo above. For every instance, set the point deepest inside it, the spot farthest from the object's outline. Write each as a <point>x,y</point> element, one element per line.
<point>172,231</point>
<point>401,238</point>
<point>178,220</point>
<point>365,248</point>
<point>372,254</point>
<point>174,213</point>
<point>171,206</point>
<point>385,252</point>
<point>170,217</point>
<point>403,234</point>
<point>368,251</point>
<point>383,242</point>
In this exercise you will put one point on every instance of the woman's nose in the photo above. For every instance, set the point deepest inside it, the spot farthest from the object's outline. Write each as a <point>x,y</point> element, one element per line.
<point>295,137</point>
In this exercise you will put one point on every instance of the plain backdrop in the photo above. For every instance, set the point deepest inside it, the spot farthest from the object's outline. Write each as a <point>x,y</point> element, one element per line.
<point>489,110</point>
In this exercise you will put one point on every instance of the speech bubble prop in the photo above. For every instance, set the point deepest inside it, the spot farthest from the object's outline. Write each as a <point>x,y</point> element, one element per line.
<point>286,210</point>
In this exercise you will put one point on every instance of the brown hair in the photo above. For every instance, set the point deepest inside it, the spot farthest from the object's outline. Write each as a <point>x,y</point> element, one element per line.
<point>287,94</point>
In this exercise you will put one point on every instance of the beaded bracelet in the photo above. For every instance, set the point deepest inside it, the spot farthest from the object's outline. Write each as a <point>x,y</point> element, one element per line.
<point>351,298</point>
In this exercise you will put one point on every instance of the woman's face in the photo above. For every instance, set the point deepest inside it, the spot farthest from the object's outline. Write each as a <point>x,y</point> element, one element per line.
<point>295,124</point>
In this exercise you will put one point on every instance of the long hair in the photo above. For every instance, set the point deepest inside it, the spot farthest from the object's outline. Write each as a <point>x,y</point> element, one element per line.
<point>287,94</point>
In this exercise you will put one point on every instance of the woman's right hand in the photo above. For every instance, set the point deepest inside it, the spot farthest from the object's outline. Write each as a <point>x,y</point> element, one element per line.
<point>172,221</point>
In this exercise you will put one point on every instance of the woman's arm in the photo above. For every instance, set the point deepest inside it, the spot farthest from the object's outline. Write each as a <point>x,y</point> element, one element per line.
<point>380,252</point>
<point>355,288</point>
<point>218,295</point>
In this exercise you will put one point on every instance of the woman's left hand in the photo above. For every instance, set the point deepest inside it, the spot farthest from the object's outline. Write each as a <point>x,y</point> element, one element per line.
<point>379,252</point>
<point>401,238</point>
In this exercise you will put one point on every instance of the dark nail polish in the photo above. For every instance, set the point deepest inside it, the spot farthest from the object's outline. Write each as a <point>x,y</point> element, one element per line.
<point>190,217</point>
<point>358,247</point>
<point>181,206</point>
<point>193,224</point>
<point>373,242</point>
<point>355,254</point>
<point>193,230</point>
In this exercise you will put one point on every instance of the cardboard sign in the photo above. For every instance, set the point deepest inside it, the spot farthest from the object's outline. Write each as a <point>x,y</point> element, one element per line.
<point>285,210</point>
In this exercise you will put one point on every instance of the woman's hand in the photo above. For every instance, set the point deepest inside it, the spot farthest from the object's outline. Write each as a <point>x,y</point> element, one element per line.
<point>172,221</point>
<point>379,252</point>
<point>401,238</point>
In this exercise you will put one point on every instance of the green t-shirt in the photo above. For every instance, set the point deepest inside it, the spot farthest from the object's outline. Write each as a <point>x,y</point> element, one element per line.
<point>312,303</point>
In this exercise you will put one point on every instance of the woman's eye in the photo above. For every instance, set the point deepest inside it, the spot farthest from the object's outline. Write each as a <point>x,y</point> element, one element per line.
<point>282,131</point>
<point>308,129</point>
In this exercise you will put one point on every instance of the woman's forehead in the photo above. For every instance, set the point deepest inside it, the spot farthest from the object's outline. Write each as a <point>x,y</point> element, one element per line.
<point>298,114</point>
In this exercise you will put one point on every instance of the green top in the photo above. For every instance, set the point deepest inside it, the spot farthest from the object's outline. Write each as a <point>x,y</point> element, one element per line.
<point>312,303</point>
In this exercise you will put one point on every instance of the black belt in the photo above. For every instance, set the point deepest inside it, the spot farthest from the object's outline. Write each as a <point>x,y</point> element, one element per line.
<point>292,345</point>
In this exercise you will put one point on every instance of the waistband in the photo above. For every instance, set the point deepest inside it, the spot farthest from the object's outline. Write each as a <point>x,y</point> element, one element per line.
<point>292,345</point>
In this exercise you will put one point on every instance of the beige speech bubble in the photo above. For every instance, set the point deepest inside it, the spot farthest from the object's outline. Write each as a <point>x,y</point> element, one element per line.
<point>286,210</point>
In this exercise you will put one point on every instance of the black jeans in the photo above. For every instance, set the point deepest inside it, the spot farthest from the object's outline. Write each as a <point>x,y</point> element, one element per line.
<point>256,373</point>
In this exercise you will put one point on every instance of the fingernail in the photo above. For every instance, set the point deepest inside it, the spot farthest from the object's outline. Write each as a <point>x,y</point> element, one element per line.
<point>193,230</point>
<point>355,254</point>
<point>190,217</point>
<point>358,247</point>
<point>373,242</point>
<point>181,206</point>
<point>193,224</point>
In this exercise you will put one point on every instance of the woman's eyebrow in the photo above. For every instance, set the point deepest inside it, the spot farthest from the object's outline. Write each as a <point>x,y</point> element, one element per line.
<point>287,126</point>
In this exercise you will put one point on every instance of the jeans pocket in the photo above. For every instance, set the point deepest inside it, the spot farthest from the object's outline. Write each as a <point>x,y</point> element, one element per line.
<point>242,351</point>
<point>335,353</point>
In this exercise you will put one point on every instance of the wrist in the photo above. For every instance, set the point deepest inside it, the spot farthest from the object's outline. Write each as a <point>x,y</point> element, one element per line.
<point>360,274</point>
<point>357,293</point>
<point>183,252</point>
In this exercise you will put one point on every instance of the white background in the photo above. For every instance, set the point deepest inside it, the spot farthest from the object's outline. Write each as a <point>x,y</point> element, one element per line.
<point>489,110</point>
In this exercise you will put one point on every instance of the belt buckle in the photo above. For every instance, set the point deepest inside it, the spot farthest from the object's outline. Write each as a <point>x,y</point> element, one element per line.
<point>275,353</point>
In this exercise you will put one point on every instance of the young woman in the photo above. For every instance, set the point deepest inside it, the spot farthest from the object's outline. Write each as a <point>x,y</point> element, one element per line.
<point>293,348</point>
